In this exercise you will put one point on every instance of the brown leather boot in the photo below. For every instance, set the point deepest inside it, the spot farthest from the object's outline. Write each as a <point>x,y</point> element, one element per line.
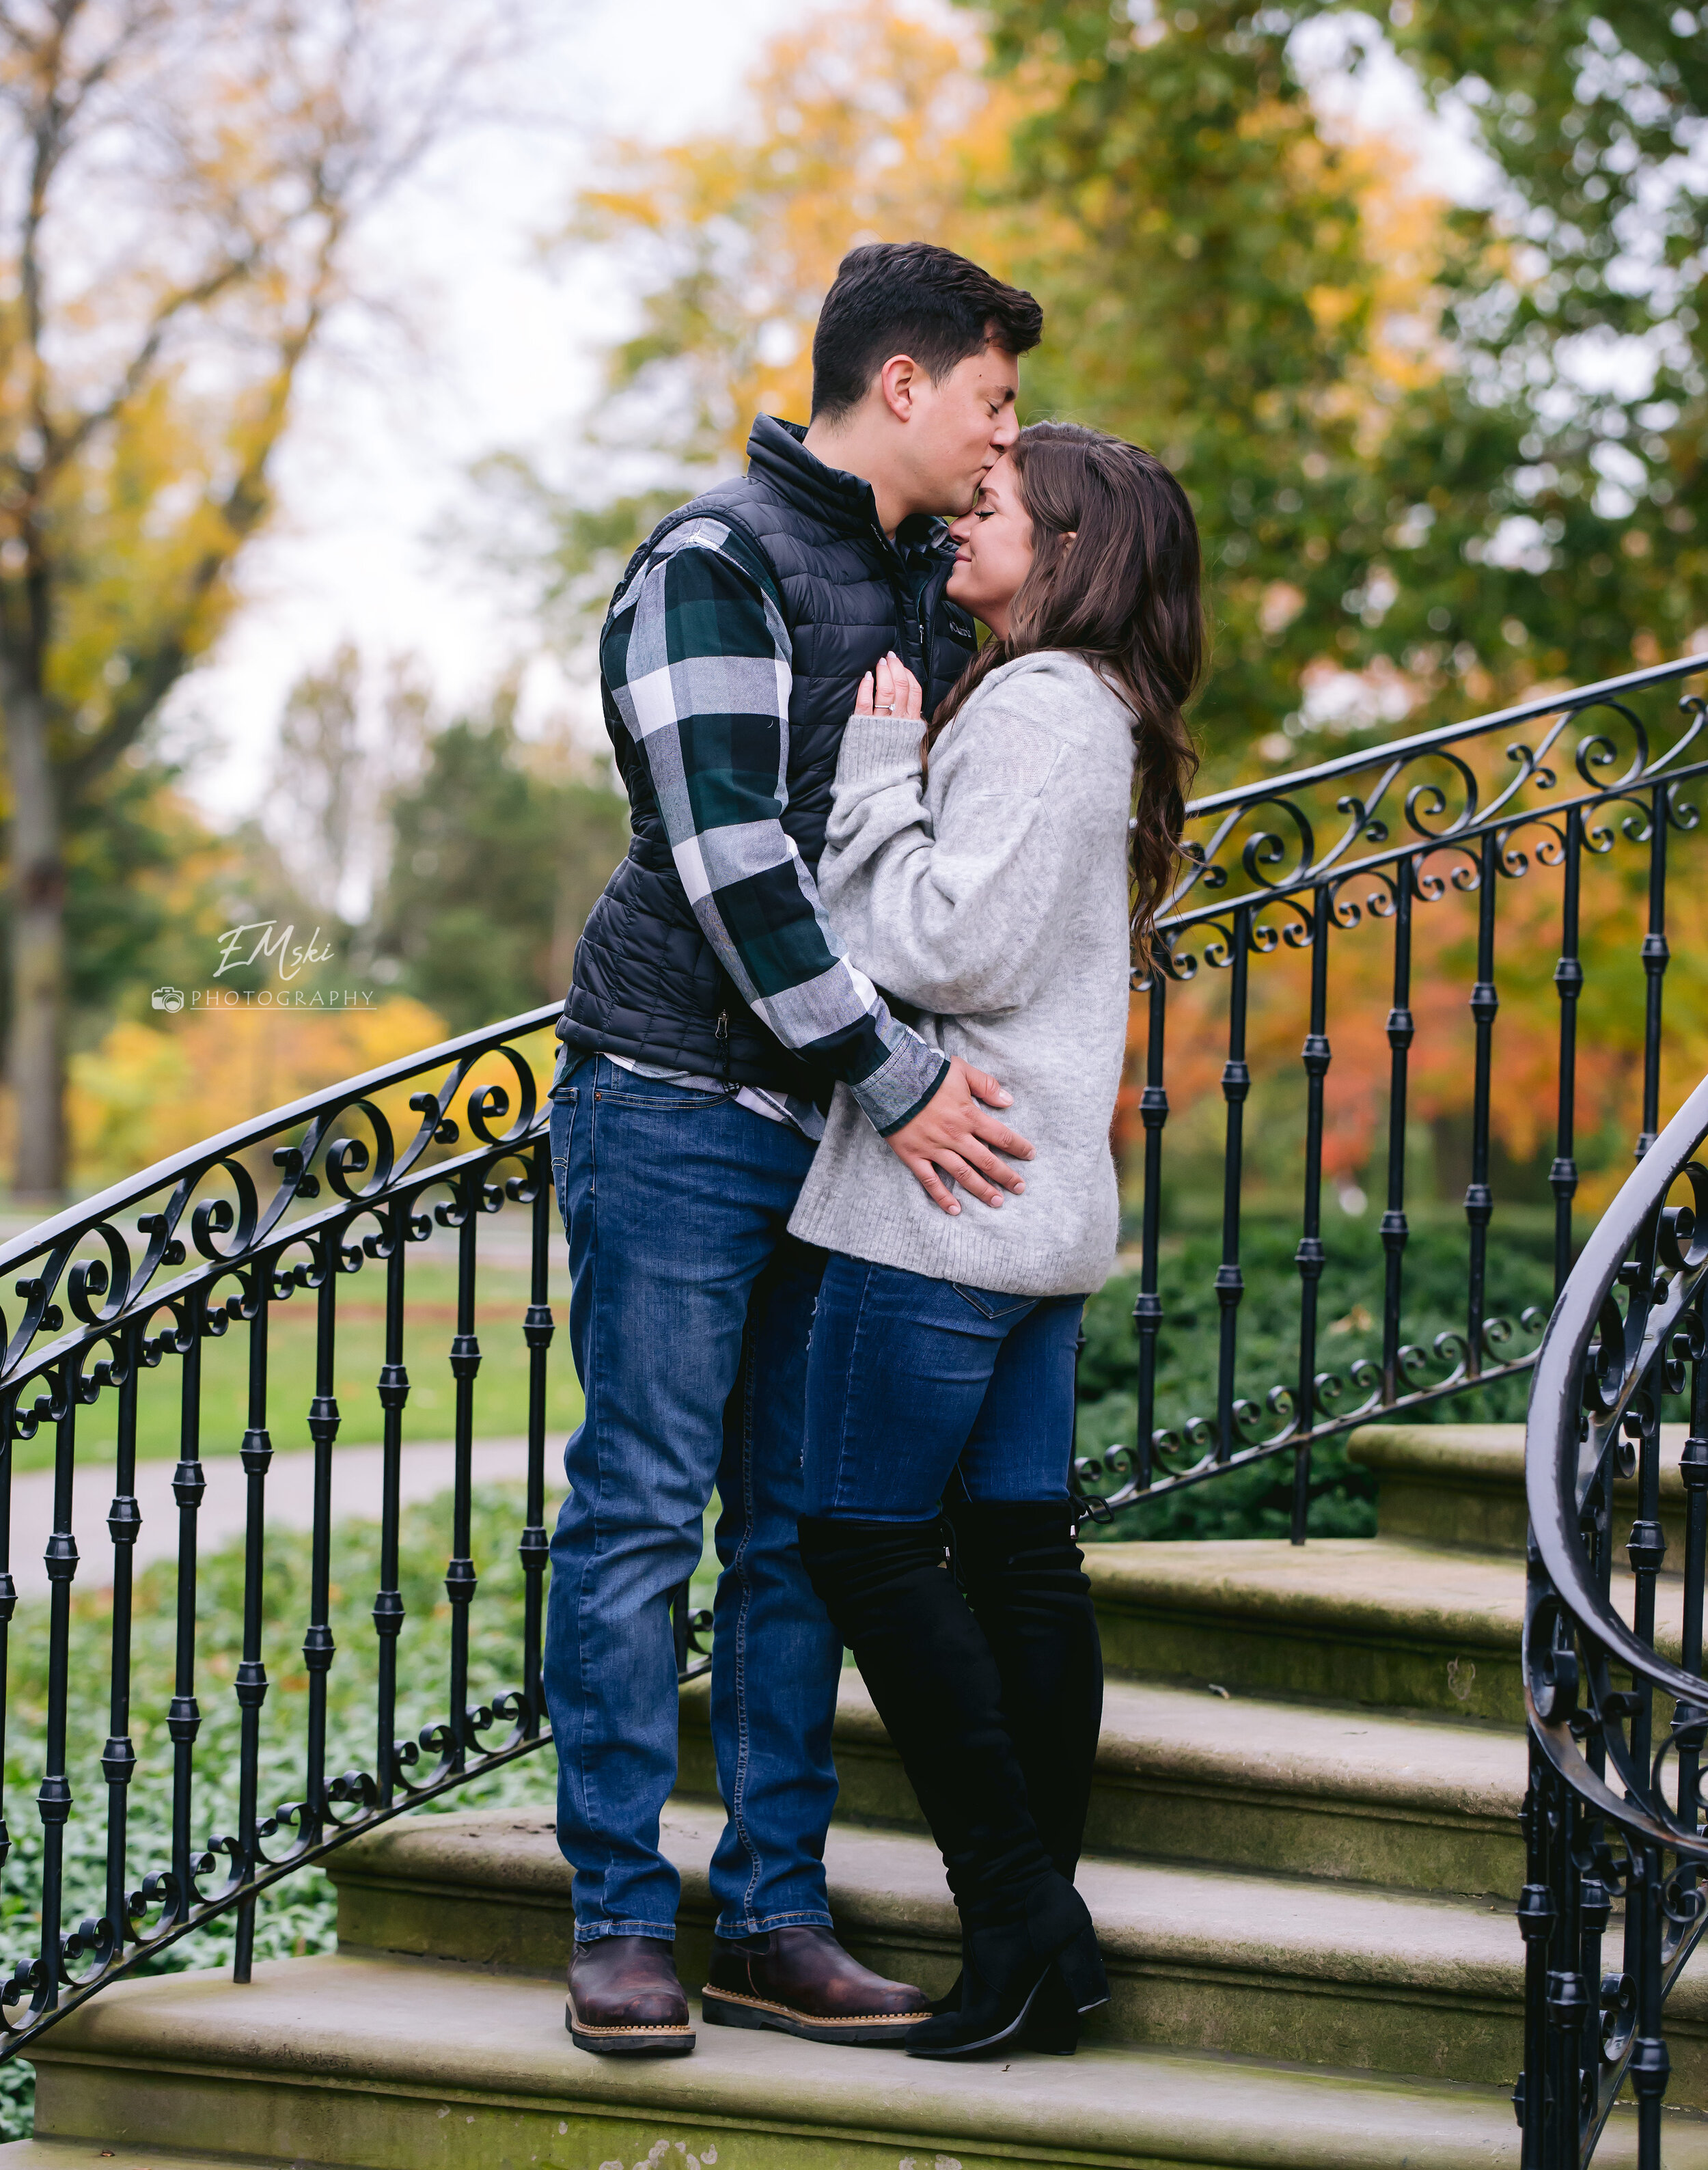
<point>624,2000</point>
<point>801,1981</point>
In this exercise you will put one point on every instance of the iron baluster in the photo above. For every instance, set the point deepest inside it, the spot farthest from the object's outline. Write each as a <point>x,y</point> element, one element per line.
<point>1479,1200</point>
<point>1309,1257</point>
<point>251,1684</point>
<point>1646,1549</point>
<point>459,1579</point>
<point>388,1598</point>
<point>1566,1993</point>
<point>54,1800</point>
<point>1536,1912</point>
<point>318,1647</point>
<point>184,1714</point>
<point>1395,1228</point>
<point>534,1548</point>
<point>1655,959</point>
<point>125,1524</point>
<point>8,1596</point>
<point>1147,1308</point>
<point>1649,2062</point>
<point>1568,982</point>
<point>1236,1084</point>
<point>1692,1468</point>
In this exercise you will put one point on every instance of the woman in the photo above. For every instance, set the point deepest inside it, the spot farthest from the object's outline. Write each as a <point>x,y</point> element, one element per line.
<point>995,879</point>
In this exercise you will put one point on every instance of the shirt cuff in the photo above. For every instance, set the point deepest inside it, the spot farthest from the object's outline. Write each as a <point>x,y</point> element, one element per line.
<point>896,1090</point>
<point>875,748</point>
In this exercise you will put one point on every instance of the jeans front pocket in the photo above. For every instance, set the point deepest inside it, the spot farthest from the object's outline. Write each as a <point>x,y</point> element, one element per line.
<point>561,1130</point>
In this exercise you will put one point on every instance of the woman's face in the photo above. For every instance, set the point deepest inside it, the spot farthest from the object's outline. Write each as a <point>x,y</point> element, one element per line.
<point>993,549</point>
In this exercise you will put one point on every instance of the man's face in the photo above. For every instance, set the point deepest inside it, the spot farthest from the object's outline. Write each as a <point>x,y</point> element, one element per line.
<point>962,425</point>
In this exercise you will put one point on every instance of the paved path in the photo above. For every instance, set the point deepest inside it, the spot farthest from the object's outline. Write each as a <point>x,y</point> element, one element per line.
<point>428,1469</point>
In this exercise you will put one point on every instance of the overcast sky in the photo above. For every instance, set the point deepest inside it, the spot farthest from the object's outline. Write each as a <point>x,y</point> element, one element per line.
<point>503,357</point>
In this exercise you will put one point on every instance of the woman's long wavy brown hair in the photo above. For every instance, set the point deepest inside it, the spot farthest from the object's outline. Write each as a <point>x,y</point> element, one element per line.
<point>1125,594</point>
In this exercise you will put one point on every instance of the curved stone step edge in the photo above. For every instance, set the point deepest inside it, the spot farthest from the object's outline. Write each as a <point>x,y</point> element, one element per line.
<point>1463,1485</point>
<point>392,2065</point>
<point>1384,1621</point>
<point>1187,1775</point>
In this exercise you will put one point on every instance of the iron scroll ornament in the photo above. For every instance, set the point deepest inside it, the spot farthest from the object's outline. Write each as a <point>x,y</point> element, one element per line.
<point>1296,864</point>
<point>222,1249</point>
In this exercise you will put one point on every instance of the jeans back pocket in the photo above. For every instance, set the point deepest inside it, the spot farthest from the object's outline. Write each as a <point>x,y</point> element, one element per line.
<point>992,1303</point>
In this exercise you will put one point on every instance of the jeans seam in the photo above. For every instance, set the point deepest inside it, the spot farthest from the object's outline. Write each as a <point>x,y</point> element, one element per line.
<point>853,1373</point>
<point>589,1563</point>
<point>591,1934</point>
<point>818,1917</point>
<point>738,1815</point>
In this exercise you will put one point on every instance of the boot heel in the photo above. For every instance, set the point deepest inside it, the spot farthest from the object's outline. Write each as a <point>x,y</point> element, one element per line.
<point>1053,2024</point>
<point>1080,1967</point>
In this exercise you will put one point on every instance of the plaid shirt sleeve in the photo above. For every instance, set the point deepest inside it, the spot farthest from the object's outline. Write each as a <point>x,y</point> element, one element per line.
<point>697,661</point>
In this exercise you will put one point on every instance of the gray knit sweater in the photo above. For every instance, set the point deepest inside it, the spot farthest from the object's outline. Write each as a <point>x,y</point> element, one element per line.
<point>995,901</point>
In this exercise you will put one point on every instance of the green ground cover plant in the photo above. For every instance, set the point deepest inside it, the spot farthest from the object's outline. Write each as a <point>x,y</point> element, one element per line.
<point>1256,1502</point>
<point>297,1916</point>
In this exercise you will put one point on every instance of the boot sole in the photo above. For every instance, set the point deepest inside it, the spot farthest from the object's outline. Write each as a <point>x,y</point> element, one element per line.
<point>629,2041</point>
<point>982,2047</point>
<point>722,2007</point>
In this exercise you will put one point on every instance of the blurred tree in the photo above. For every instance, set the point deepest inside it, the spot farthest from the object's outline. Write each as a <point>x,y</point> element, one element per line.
<point>1495,495</point>
<point>865,122</point>
<point>1581,326</point>
<point>496,864</point>
<point>182,182</point>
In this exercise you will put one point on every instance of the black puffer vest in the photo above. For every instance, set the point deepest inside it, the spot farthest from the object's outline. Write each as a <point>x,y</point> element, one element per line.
<point>647,983</point>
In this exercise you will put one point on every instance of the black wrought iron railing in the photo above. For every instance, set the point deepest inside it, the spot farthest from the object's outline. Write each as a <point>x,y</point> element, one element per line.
<point>161,1315</point>
<point>1569,788</point>
<point>124,1302</point>
<point>1613,1660</point>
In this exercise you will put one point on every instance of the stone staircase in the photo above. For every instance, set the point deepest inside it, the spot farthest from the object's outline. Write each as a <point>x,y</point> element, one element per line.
<point>1303,1855</point>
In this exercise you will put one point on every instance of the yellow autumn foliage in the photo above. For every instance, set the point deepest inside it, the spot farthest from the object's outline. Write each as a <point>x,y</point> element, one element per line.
<point>865,125</point>
<point>148,1091</point>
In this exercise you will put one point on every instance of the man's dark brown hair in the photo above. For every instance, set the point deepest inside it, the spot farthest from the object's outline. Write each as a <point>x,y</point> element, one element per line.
<point>909,297</point>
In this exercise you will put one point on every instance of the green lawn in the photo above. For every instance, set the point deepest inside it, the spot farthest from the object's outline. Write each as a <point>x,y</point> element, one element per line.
<point>501,1386</point>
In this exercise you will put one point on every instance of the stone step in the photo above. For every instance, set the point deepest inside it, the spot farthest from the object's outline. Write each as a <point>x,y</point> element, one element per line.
<point>1362,1620</point>
<point>402,2065</point>
<point>1199,1958</point>
<point>1421,1804</point>
<point>101,2154</point>
<point>1463,1485</point>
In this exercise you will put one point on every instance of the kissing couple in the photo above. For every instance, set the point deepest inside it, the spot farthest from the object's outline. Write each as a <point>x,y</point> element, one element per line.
<point>830,1138</point>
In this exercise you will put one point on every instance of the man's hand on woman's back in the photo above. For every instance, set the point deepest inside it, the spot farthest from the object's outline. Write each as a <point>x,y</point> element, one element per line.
<point>954,1133</point>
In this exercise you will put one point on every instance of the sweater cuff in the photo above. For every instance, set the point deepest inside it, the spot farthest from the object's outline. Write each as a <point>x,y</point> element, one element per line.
<point>875,748</point>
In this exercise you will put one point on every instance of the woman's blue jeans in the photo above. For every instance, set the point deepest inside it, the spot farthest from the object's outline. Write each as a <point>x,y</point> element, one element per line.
<point>689,1315</point>
<point>921,1391</point>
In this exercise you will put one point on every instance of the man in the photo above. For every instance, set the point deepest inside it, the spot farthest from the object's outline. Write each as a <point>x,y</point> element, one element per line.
<point>711,1014</point>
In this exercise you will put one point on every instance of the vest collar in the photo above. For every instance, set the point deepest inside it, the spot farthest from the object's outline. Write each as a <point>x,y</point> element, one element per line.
<point>776,451</point>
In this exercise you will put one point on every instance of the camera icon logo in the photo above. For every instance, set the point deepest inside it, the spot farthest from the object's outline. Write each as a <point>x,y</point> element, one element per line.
<point>168,998</point>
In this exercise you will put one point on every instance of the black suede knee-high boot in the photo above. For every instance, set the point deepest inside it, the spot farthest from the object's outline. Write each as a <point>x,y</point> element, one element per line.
<point>938,1689</point>
<point>1023,1575</point>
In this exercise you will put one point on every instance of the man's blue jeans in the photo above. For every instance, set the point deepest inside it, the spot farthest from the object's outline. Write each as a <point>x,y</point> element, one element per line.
<point>689,1315</point>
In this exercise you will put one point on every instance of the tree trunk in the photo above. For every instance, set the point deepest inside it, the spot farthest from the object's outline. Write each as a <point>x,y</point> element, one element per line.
<point>35,1056</point>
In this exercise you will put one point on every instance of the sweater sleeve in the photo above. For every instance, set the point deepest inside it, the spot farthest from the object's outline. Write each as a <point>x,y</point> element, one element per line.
<point>950,916</point>
<point>697,661</point>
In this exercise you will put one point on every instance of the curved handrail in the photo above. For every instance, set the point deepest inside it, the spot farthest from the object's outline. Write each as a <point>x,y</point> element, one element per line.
<point>1553,1461</point>
<point>1617,1729</point>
